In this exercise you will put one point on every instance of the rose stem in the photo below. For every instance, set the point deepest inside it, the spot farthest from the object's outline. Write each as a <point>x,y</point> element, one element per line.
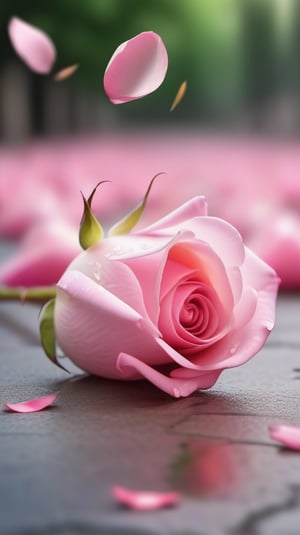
<point>32,295</point>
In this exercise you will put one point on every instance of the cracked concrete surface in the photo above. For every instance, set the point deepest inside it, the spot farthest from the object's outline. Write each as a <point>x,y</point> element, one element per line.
<point>57,466</point>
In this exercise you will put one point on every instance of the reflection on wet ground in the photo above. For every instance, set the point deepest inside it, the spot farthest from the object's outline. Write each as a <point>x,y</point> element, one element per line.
<point>206,468</point>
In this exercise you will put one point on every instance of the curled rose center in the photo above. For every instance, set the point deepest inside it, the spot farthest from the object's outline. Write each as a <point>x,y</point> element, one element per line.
<point>197,313</point>
<point>191,315</point>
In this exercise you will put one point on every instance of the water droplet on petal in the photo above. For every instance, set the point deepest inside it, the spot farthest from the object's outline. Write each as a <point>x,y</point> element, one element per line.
<point>96,276</point>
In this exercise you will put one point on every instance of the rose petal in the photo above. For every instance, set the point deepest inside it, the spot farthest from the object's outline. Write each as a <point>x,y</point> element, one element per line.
<point>277,242</point>
<point>32,405</point>
<point>172,386</point>
<point>144,255</point>
<point>32,45</point>
<point>86,313</point>
<point>137,68</point>
<point>198,257</point>
<point>222,237</point>
<point>145,500</point>
<point>42,258</point>
<point>195,207</point>
<point>288,435</point>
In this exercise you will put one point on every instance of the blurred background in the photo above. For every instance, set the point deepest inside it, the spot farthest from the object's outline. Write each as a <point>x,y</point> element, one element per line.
<point>234,137</point>
<point>240,57</point>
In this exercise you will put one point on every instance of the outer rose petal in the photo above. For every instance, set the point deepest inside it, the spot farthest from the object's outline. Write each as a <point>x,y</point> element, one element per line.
<point>32,45</point>
<point>288,435</point>
<point>195,207</point>
<point>176,387</point>
<point>137,68</point>
<point>145,500</point>
<point>93,327</point>
<point>32,405</point>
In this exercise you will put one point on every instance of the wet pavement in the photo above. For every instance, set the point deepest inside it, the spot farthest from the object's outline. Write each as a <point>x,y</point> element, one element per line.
<point>57,467</point>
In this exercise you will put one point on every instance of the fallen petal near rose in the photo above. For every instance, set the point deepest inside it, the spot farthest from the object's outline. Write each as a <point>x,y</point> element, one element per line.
<point>278,244</point>
<point>184,292</point>
<point>32,405</point>
<point>287,435</point>
<point>45,253</point>
<point>138,67</point>
<point>33,46</point>
<point>145,500</point>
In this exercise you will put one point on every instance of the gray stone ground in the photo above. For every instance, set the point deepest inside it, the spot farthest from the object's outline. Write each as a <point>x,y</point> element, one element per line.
<point>57,466</point>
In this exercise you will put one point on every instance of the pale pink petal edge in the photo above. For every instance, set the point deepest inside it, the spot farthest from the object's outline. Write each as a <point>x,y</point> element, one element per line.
<point>174,386</point>
<point>144,500</point>
<point>32,405</point>
<point>288,435</point>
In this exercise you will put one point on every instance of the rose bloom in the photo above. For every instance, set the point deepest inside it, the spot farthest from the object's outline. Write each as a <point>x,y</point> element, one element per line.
<point>175,303</point>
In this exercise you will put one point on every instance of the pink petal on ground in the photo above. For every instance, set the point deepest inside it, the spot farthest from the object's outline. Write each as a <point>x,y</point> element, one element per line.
<point>288,435</point>
<point>33,46</point>
<point>145,500</point>
<point>32,405</point>
<point>138,67</point>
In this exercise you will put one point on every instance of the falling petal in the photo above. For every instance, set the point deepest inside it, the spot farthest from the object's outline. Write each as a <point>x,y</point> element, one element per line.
<point>179,95</point>
<point>138,67</point>
<point>90,231</point>
<point>32,405</point>
<point>288,435</point>
<point>47,332</point>
<point>33,46</point>
<point>128,222</point>
<point>65,73</point>
<point>145,501</point>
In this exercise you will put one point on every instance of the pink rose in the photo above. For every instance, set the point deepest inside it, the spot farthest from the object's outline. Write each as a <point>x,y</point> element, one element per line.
<point>175,303</point>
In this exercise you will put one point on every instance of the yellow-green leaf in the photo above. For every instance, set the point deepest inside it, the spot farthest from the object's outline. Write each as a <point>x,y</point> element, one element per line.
<point>47,332</point>
<point>125,225</point>
<point>90,232</point>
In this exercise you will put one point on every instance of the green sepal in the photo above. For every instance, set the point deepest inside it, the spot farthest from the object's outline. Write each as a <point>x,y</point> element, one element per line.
<point>125,225</point>
<point>47,332</point>
<point>90,232</point>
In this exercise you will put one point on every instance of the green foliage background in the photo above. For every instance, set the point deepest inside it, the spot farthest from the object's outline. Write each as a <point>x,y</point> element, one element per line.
<point>233,53</point>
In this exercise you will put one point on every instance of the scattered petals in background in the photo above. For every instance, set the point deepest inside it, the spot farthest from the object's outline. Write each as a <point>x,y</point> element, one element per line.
<point>143,500</point>
<point>179,95</point>
<point>137,67</point>
<point>33,46</point>
<point>287,435</point>
<point>278,244</point>
<point>32,405</point>
<point>65,73</point>
<point>45,253</point>
<point>250,182</point>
